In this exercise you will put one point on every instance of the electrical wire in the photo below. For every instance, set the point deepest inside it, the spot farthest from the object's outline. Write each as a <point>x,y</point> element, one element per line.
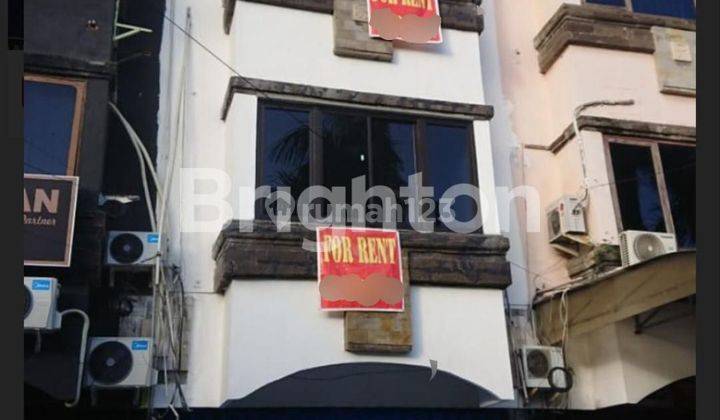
<point>165,301</point>
<point>143,158</point>
<point>136,140</point>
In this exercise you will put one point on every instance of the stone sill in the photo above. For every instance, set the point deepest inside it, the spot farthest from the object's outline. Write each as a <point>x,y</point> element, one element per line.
<point>602,27</point>
<point>455,14</point>
<point>254,250</point>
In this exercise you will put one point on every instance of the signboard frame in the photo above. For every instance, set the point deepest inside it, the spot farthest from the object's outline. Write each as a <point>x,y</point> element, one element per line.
<point>75,181</point>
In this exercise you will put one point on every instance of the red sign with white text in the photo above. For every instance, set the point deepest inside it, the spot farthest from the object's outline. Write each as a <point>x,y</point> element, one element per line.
<point>416,21</point>
<point>359,269</point>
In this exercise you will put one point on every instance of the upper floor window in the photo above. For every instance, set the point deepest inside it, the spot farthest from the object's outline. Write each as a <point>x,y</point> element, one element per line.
<point>675,8</point>
<point>302,145</point>
<point>654,187</point>
<point>52,117</point>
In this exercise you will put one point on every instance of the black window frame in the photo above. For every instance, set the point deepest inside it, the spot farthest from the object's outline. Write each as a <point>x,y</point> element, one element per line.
<point>654,146</point>
<point>315,151</point>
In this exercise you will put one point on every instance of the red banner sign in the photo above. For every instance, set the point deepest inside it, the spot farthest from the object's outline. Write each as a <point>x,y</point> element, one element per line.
<point>416,21</point>
<point>359,269</point>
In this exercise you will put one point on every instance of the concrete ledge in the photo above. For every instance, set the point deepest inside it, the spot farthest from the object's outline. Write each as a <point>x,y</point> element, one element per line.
<point>629,128</point>
<point>455,14</point>
<point>602,27</point>
<point>254,250</point>
<point>342,96</point>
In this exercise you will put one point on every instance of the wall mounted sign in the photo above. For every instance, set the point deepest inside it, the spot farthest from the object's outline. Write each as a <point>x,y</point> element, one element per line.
<point>49,218</point>
<point>359,269</point>
<point>416,21</point>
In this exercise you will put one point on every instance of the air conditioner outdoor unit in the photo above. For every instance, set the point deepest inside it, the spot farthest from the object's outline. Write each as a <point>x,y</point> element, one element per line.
<point>566,225</point>
<point>538,363</point>
<point>119,362</point>
<point>637,245</point>
<point>132,248</point>
<point>41,295</point>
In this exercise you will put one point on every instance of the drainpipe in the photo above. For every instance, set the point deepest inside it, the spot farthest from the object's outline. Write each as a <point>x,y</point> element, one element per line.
<point>581,143</point>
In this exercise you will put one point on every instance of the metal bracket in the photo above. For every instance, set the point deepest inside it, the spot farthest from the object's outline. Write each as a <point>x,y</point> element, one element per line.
<point>643,323</point>
<point>132,29</point>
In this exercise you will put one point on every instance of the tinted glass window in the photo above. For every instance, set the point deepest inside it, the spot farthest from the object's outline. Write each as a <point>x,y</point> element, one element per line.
<point>447,151</point>
<point>49,109</point>
<point>345,154</point>
<point>314,145</point>
<point>679,170</point>
<point>285,150</point>
<point>393,150</point>
<point>676,8</point>
<point>637,189</point>
<point>608,2</point>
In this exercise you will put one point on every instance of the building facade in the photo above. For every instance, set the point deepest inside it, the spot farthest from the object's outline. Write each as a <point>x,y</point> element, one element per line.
<point>305,75</point>
<point>595,101</point>
<point>213,135</point>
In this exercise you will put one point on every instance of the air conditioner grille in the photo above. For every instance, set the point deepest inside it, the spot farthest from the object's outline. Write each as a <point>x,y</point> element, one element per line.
<point>648,246</point>
<point>538,363</point>
<point>110,363</point>
<point>126,248</point>
<point>554,223</point>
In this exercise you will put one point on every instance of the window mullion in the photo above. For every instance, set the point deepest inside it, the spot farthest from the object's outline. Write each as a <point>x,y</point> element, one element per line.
<point>316,147</point>
<point>420,148</point>
<point>662,188</point>
<point>370,156</point>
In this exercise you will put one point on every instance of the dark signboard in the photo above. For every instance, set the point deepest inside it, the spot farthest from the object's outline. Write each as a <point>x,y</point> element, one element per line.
<point>48,217</point>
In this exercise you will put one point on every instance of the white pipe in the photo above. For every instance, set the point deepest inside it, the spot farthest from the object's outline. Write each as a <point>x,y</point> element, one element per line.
<point>137,142</point>
<point>581,144</point>
<point>83,344</point>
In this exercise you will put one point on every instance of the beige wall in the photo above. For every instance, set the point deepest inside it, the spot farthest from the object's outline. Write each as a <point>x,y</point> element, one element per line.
<point>561,174</point>
<point>539,107</point>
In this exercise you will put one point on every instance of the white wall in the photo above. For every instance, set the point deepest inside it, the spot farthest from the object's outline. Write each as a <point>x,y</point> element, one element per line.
<point>263,36</point>
<point>275,328</point>
<point>505,154</point>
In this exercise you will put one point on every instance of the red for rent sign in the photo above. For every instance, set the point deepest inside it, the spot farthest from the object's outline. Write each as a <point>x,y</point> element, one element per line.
<point>416,21</point>
<point>359,269</point>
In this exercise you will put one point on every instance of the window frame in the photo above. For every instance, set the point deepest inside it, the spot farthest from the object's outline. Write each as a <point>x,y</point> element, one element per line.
<point>315,150</point>
<point>78,113</point>
<point>654,146</point>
